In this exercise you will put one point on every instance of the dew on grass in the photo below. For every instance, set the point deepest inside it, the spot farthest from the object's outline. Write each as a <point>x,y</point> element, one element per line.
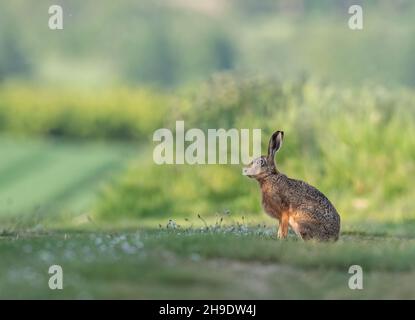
<point>127,248</point>
<point>102,248</point>
<point>195,257</point>
<point>69,254</point>
<point>98,241</point>
<point>45,256</point>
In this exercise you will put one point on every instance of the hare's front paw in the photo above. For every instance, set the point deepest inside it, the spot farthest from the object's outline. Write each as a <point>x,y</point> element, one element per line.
<point>281,234</point>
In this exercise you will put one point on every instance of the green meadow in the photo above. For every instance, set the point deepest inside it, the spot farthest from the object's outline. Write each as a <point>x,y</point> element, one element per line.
<point>221,263</point>
<point>38,177</point>
<point>113,219</point>
<point>79,187</point>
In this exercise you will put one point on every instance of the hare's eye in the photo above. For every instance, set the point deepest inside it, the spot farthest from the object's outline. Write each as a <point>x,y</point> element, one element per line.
<point>262,162</point>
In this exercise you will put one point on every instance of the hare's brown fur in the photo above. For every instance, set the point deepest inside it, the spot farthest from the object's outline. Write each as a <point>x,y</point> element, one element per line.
<point>293,202</point>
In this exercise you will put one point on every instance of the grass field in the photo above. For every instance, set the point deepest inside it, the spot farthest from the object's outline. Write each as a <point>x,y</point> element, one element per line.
<point>79,107</point>
<point>220,262</point>
<point>133,257</point>
<point>101,210</point>
<point>46,178</point>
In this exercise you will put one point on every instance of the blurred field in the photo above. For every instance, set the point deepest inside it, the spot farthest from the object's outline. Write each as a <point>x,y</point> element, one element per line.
<point>179,42</point>
<point>79,106</point>
<point>228,262</point>
<point>64,199</point>
<point>356,145</point>
<point>39,179</point>
<point>122,114</point>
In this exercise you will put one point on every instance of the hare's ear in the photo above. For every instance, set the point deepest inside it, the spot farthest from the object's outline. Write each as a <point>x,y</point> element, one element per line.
<point>275,143</point>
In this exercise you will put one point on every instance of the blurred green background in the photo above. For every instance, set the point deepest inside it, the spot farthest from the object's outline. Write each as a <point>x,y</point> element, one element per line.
<point>79,106</point>
<point>172,43</point>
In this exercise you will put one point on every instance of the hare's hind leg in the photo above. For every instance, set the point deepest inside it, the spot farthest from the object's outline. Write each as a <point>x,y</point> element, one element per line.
<point>310,231</point>
<point>295,226</point>
<point>283,226</point>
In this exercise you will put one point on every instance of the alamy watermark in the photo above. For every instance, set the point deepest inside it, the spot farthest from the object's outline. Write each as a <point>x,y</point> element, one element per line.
<point>55,21</point>
<point>356,280</point>
<point>56,17</point>
<point>356,20</point>
<point>191,146</point>
<point>56,279</point>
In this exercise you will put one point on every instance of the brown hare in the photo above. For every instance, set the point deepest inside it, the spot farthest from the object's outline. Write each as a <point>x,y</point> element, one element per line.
<point>293,202</point>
